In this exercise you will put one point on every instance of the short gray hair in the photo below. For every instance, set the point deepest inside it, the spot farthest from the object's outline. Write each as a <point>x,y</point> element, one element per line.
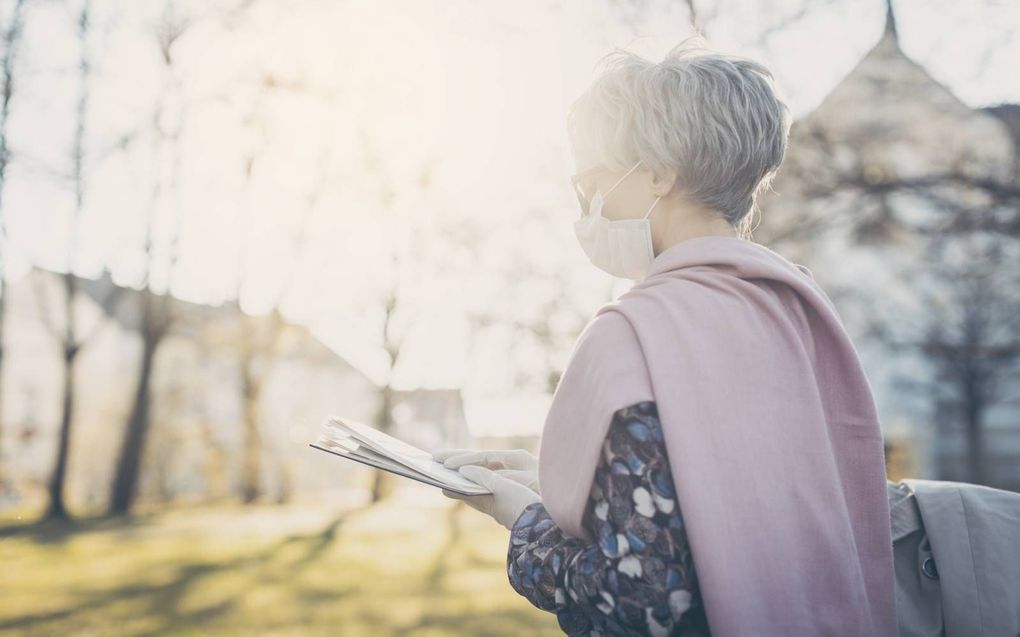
<point>715,119</point>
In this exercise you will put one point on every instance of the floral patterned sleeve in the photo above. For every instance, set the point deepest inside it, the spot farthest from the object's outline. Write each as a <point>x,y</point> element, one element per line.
<point>638,577</point>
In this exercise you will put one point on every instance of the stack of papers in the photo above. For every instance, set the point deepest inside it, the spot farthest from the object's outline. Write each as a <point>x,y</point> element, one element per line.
<point>357,441</point>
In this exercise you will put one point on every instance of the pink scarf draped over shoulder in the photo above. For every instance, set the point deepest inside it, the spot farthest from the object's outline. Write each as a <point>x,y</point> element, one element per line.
<point>770,427</point>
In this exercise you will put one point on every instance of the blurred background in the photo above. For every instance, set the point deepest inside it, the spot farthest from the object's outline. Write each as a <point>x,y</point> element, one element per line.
<point>223,221</point>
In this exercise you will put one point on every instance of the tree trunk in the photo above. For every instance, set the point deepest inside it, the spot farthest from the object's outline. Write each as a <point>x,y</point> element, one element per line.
<point>381,484</point>
<point>3,304</point>
<point>57,508</point>
<point>251,388</point>
<point>286,490</point>
<point>214,466</point>
<point>11,35</point>
<point>975,440</point>
<point>125,484</point>
<point>251,487</point>
<point>975,454</point>
<point>973,409</point>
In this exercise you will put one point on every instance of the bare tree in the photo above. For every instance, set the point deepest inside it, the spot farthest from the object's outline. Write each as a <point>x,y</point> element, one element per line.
<point>963,296</point>
<point>407,260</point>
<point>156,309</point>
<point>959,317</point>
<point>249,359</point>
<point>971,335</point>
<point>968,289</point>
<point>702,16</point>
<point>260,338</point>
<point>11,37</point>
<point>807,175</point>
<point>214,464</point>
<point>553,328</point>
<point>301,241</point>
<point>392,344</point>
<point>71,344</point>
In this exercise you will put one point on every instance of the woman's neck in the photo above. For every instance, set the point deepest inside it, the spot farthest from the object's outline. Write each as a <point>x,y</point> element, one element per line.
<point>690,222</point>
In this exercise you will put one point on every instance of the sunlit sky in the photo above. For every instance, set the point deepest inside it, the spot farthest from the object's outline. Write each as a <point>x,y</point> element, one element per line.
<point>372,94</point>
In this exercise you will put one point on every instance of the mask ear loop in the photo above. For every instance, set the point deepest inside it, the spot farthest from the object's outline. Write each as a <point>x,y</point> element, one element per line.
<point>655,203</point>
<point>622,178</point>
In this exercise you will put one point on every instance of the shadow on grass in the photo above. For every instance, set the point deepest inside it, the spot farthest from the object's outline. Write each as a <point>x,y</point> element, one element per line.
<point>498,623</point>
<point>434,578</point>
<point>56,530</point>
<point>163,600</point>
<point>157,608</point>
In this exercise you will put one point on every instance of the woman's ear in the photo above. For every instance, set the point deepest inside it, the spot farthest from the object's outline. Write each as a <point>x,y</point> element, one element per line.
<point>662,184</point>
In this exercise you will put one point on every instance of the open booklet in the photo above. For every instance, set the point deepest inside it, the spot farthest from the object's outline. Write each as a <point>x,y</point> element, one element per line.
<point>357,441</point>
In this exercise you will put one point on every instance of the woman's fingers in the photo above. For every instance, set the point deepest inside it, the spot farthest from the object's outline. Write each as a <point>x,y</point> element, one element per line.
<point>440,455</point>
<point>483,502</point>
<point>476,456</point>
<point>492,459</point>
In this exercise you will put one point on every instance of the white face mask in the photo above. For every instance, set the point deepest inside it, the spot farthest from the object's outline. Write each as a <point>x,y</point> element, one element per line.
<point>622,247</point>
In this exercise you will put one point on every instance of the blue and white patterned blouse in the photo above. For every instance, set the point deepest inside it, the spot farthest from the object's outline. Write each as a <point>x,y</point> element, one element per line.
<point>638,577</point>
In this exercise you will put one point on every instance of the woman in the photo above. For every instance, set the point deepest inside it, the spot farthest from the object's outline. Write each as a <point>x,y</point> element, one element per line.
<point>712,459</point>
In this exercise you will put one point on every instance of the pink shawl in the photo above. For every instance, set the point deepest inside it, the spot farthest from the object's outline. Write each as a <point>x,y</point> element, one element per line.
<point>771,430</point>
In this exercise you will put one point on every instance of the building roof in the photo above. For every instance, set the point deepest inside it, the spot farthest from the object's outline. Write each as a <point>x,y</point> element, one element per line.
<point>123,305</point>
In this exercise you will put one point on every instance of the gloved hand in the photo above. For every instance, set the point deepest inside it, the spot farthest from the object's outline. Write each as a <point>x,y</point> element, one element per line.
<point>516,464</point>
<point>507,500</point>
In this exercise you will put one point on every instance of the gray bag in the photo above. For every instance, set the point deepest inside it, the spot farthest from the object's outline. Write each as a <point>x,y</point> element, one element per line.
<point>956,548</point>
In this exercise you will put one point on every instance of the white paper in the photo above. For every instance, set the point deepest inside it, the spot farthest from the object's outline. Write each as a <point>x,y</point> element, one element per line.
<point>358,441</point>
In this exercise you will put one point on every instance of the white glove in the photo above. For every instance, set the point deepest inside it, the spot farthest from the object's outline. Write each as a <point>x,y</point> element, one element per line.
<point>518,465</point>
<point>507,500</point>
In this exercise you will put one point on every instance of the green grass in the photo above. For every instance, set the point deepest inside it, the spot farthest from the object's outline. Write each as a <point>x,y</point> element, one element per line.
<point>399,568</point>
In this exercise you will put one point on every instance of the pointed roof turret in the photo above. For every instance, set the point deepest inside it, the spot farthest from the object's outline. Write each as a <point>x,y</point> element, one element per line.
<point>890,20</point>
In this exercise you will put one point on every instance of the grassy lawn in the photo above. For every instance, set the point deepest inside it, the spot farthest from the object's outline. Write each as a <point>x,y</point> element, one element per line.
<point>415,565</point>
